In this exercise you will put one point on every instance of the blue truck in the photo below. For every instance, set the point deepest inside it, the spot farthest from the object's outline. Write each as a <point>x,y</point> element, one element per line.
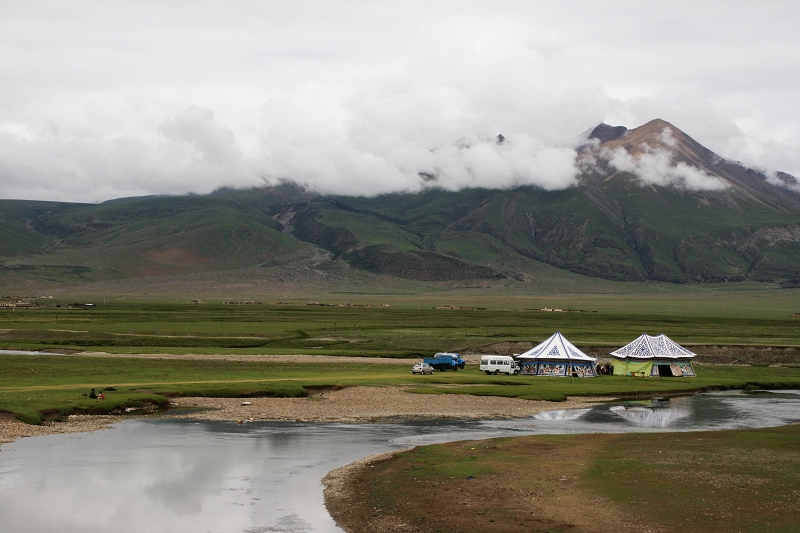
<point>445,361</point>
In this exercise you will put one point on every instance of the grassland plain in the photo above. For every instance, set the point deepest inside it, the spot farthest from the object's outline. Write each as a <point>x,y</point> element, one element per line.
<point>744,480</point>
<point>38,387</point>
<point>410,327</point>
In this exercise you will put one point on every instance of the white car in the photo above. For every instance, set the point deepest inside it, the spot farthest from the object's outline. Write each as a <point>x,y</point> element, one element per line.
<point>496,364</point>
<point>422,368</point>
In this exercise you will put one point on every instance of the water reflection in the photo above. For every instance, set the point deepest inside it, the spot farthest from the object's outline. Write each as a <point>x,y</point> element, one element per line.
<point>564,414</point>
<point>181,475</point>
<point>654,414</point>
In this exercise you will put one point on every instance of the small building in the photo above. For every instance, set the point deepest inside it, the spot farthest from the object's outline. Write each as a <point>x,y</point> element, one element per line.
<point>557,357</point>
<point>657,356</point>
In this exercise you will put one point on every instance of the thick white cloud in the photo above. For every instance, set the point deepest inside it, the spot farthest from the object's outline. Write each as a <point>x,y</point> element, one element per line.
<point>105,99</point>
<point>656,167</point>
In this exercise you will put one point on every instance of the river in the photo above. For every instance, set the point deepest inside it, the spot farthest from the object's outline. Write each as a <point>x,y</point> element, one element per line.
<point>173,475</point>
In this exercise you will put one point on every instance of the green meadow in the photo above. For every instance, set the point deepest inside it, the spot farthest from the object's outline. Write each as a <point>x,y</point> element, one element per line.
<point>409,327</point>
<point>39,387</point>
<point>35,387</point>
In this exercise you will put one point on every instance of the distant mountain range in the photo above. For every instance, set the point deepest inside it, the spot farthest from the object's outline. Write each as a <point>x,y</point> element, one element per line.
<point>651,204</point>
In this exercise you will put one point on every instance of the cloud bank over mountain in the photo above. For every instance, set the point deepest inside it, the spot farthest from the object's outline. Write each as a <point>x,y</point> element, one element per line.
<point>656,166</point>
<point>118,99</point>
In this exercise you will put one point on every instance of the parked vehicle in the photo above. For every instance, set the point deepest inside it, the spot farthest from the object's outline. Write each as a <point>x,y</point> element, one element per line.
<point>422,368</point>
<point>445,361</point>
<point>499,364</point>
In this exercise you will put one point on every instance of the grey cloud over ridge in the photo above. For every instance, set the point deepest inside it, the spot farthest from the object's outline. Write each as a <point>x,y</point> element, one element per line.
<point>100,100</point>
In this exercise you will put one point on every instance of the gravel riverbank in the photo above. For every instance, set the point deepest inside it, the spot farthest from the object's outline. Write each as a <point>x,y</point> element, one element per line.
<point>370,404</point>
<point>355,405</point>
<point>12,429</point>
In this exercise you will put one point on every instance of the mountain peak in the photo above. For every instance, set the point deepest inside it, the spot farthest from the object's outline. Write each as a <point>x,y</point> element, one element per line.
<point>604,132</point>
<point>660,154</point>
<point>658,134</point>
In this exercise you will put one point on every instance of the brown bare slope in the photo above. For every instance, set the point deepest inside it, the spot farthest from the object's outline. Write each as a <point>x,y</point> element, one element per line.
<point>745,183</point>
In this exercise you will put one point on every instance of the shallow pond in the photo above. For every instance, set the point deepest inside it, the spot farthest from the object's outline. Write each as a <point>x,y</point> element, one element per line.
<point>173,475</point>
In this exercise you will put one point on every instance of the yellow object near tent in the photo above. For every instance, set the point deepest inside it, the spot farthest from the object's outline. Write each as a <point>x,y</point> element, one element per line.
<point>657,356</point>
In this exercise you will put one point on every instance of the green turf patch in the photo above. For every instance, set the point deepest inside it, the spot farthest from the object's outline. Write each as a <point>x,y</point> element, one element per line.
<point>709,481</point>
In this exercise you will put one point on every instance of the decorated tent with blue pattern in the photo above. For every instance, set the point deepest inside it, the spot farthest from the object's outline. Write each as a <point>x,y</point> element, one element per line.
<point>657,356</point>
<point>556,357</point>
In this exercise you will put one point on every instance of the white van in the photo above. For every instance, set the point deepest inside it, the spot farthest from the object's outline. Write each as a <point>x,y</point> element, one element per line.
<point>499,364</point>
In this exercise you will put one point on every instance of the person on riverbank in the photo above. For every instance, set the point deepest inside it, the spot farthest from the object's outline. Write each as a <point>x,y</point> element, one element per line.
<point>93,395</point>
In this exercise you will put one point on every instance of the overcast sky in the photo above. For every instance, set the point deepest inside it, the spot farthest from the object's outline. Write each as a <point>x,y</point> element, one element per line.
<point>103,99</point>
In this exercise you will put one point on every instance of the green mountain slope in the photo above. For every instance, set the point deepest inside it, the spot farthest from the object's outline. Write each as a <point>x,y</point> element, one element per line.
<point>146,237</point>
<point>611,226</point>
<point>634,234</point>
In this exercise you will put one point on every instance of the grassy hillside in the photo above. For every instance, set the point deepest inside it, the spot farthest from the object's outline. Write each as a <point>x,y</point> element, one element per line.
<point>613,229</point>
<point>149,237</point>
<point>618,230</point>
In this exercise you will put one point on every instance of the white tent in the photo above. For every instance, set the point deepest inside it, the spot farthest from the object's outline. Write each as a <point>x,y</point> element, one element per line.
<point>557,357</point>
<point>653,356</point>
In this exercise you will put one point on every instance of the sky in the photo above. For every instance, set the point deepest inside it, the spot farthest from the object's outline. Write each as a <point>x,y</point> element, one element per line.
<point>107,99</point>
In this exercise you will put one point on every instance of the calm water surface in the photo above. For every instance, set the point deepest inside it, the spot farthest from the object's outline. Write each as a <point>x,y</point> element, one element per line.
<point>177,475</point>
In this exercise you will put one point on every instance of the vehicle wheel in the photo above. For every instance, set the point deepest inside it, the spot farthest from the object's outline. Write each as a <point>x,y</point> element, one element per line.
<point>496,372</point>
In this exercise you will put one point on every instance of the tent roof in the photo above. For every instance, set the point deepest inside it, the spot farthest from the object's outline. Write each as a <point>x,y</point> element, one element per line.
<point>647,347</point>
<point>556,348</point>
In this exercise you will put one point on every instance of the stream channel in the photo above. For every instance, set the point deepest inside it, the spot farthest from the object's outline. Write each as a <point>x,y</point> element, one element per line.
<point>178,475</point>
